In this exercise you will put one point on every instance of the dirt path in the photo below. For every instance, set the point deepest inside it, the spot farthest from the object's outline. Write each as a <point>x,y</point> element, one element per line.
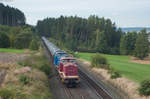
<point>11,57</point>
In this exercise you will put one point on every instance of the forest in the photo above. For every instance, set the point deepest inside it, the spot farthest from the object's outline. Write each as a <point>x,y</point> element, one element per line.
<point>11,16</point>
<point>92,34</point>
<point>80,34</point>
<point>14,32</point>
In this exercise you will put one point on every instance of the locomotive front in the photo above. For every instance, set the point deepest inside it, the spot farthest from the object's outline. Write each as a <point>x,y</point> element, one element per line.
<point>69,71</point>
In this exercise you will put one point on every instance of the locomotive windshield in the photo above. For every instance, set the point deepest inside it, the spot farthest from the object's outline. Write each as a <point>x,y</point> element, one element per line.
<point>68,60</point>
<point>62,55</point>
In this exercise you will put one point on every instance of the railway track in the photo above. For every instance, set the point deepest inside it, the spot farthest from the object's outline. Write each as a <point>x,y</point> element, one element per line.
<point>68,93</point>
<point>99,90</point>
<point>101,93</point>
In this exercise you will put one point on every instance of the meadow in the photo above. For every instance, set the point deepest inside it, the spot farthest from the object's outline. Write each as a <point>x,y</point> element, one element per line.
<point>134,71</point>
<point>11,50</point>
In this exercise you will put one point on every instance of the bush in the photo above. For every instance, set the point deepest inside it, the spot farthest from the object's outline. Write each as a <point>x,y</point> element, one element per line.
<point>12,93</point>
<point>6,94</point>
<point>25,79</point>
<point>99,61</point>
<point>144,88</point>
<point>4,41</point>
<point>34,45</point>
<point>45,68</point>
<point>114,73</point>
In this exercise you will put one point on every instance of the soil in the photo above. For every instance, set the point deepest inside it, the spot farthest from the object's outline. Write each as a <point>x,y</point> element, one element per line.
<point>145,61</point>
<point>128,86</point>
<point>11,57</point>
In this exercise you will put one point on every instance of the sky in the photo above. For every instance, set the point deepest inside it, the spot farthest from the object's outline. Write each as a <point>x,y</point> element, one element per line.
<point>125,13</point>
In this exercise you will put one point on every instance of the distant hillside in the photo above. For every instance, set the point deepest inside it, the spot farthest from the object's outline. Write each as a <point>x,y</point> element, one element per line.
<point>134,29</point>
<point>11,16</point>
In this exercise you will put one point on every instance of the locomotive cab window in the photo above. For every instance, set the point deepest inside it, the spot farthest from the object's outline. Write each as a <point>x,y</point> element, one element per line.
<point>64,61</point>
<point>72,61</point>
<point>69,60</point>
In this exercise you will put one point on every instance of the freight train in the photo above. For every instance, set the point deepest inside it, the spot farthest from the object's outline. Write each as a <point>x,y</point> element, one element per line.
<point>65,65</point>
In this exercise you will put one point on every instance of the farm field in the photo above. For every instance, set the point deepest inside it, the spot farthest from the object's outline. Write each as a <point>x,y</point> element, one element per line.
<point>11,50</point>
<point>135,71</point>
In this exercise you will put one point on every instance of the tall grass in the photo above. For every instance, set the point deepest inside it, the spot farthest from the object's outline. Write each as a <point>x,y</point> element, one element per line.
<point>38,62</point>
<point>33,84</point>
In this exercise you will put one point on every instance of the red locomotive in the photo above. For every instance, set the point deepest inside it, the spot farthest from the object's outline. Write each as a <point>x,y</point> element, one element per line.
<point>68,71</point>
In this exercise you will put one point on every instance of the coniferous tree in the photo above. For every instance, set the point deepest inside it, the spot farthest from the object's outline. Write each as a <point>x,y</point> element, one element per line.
<point>11,16</point>
<point>123,46</point>
<point>79,34</point>
<point>142,45</point>
<point>127,43</point>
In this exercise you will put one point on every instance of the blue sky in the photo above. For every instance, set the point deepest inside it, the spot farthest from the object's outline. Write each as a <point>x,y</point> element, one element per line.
<point>125,13</point>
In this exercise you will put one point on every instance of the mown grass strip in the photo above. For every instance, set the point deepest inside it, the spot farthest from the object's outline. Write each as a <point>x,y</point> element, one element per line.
<point>135,71</point>
<point>8,50</point>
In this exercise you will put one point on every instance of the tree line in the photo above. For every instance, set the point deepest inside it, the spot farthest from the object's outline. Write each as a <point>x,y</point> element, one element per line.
<point>14,32</point>
<point>18,37</point>
<point>11,16</point>
<point>135,44</point>
<point>93,34</point>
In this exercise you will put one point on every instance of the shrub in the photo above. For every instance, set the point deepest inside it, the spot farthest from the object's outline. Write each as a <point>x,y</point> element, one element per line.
<point>6,94</point>
<point>99,61</point>
<point>115,74</point>
<point>24,79</point>
<point>144,88</point>
<point>12,93</point>
<point>20,63</point>
<point>45,68</point>
<point>34,45</point>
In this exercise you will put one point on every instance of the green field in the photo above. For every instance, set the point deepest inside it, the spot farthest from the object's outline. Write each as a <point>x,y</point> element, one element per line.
<point>134,71</point>
<point>11,50</point>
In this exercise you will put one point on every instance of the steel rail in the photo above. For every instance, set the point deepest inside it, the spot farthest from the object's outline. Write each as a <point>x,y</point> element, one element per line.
<point>102,93</point>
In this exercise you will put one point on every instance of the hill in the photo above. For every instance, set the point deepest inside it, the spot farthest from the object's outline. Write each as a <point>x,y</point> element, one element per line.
<point>135,29</point>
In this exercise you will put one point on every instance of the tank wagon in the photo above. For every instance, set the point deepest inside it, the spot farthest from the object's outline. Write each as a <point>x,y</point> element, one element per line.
<point>65,65</point>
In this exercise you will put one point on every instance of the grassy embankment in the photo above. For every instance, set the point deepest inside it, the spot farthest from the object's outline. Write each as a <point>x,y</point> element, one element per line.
<point>11,50</point>
<point>134,71</point>
<point>31,83</point>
